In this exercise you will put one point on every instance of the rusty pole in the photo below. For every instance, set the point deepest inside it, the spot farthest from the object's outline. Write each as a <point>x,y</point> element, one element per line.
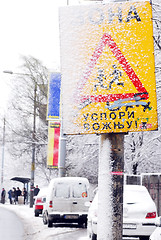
<point>117,163</point>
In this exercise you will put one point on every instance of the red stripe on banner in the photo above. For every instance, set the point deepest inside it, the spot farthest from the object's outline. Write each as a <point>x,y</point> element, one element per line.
<point>56,146</point>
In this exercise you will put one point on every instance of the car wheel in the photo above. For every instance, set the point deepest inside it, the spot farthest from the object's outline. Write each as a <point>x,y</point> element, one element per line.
<point>81,224</point>
<point>144,238</point>
<point>94,236</point>
<point>36,214</point>
<point>85,224</point>
<point>44,217</point>
<point>50,223</point>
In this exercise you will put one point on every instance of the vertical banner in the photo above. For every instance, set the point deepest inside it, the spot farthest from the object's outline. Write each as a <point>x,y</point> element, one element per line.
<point>53,111</point>
<point>53,144</point>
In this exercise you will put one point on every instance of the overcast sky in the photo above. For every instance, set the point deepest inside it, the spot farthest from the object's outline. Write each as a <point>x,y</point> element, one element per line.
<point>28,27</point>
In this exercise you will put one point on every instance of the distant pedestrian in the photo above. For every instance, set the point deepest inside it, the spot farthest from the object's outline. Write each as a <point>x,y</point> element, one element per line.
<point>14,195</point>
<point>36,190</point>
<point>10,195</point>
<point>24,194</point>
<point>18,193</point>
<point>3,195</point>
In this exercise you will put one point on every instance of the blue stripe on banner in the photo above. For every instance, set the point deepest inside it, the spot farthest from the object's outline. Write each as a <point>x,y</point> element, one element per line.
<point>54,96</point>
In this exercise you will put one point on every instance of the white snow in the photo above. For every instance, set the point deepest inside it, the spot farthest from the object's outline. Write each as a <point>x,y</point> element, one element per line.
<point>33,226</point>
<point>104,190</point>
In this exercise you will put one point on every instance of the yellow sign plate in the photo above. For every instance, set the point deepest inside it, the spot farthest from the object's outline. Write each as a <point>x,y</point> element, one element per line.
<point>108,79</point>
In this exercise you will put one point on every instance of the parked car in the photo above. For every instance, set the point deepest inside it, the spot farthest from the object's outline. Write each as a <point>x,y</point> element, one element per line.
<point>139,213</point>
<point>66,201</point>
<point>39,201</point>
<point>156,235</point>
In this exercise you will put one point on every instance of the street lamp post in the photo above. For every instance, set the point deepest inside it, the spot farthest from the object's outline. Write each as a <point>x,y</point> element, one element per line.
<point>33,141</point>
<point>3,146</point>
<point>33,151</point>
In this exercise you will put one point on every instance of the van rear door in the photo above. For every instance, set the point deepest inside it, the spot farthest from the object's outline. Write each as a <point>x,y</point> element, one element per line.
<point>61,197</point>
<point>79,195</point>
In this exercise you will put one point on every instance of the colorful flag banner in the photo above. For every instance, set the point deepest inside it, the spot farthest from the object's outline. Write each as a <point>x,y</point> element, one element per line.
<point>53,144</point>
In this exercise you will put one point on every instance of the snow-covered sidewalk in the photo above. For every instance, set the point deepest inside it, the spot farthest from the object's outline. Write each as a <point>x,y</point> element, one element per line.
<point>33,226</point>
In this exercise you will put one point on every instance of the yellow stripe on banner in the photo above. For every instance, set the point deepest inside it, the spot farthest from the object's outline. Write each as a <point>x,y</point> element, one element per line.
<point>50,145</point>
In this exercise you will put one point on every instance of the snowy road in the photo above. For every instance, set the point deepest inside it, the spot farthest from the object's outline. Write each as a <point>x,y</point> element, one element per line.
<point>35,229</point>
<point>11,226</point>
<point>77,234</point>
<point>19,221</point>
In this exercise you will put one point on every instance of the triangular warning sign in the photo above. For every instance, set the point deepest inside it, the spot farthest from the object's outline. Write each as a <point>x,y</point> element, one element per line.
<point>142,92</point>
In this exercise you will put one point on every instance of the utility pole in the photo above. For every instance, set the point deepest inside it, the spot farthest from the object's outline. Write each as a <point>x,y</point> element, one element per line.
<point>3,147</point>
<point>33,150</point>
<point>110,186</point>
<point>33,139</point>
<point>117,158</point>
<point>62,153</point>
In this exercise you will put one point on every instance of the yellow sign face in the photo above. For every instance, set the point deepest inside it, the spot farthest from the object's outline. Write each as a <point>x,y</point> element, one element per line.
<point>108,80</point>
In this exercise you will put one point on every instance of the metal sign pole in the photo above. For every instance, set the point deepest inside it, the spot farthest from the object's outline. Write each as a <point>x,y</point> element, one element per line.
<point>104,223</point>
<point>62,153</point>
<point>110,186</point>
<point>117,158</point>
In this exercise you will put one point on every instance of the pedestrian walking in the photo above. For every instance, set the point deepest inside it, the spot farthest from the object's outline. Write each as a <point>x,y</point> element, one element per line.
<point>36,190</point>
<point>3,195</point>
<point>24,194</point>
<point>18,194</point>
<point>10,195</point>
<point>14,195</point>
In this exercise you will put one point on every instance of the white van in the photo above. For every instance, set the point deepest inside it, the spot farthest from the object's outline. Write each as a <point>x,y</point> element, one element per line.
<point>66,201</point>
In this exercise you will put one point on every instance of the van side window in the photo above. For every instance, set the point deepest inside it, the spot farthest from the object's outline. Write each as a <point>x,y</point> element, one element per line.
<point>62,190</point>
<point>79,190</point>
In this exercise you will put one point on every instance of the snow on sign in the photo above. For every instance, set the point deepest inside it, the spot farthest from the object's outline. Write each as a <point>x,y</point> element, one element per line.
<point>107,59</point>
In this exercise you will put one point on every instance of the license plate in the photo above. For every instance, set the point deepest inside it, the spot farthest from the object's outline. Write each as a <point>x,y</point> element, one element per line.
<point>129,226</point>
<point>71,216</point>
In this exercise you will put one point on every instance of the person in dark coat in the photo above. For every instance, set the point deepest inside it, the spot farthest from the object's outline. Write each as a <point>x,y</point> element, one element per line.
<point>14,195</point>
<point>24,194</point>
<point>36,190</point>
<point>18,193</point>
<point>3,195</point>
<point>10,195</point>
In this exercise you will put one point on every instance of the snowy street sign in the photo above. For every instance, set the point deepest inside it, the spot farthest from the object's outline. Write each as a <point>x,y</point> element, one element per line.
<point>108,79</point>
